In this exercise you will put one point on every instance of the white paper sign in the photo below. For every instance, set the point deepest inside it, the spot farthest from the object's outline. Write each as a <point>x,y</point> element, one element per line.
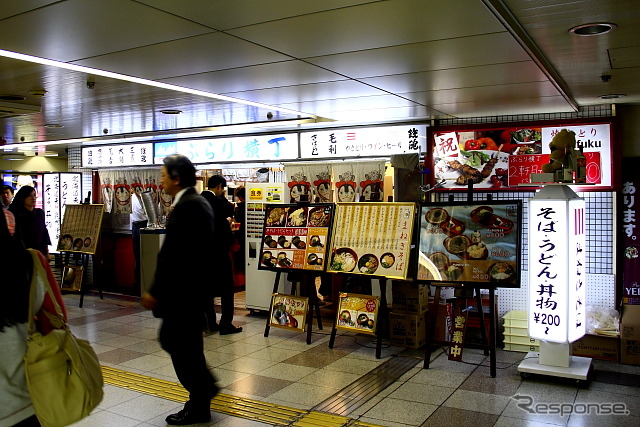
<point>379,141</point>
<point>117,155</point>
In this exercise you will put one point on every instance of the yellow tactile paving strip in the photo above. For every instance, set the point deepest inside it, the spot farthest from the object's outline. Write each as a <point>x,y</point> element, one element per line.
<point>255,410</point>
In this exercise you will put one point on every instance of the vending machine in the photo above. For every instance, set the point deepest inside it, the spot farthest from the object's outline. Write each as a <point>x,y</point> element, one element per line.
<point>259,283</point>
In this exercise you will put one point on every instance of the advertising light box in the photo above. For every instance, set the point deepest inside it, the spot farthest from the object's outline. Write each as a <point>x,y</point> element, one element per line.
<point>503,157</point>
<point>355,142</point>
<point>140,154</point>
<point>557,269</point>
<point>240,148</point>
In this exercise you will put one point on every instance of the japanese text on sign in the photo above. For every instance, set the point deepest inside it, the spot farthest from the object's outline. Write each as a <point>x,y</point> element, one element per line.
<point>362,141</point>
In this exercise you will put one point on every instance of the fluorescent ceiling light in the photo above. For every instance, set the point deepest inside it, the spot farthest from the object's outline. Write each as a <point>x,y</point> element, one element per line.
<point>109,74</point>
<point>171,135</point>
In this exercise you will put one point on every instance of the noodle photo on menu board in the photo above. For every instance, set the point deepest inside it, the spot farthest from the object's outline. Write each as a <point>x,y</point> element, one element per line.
<point>471,242</point>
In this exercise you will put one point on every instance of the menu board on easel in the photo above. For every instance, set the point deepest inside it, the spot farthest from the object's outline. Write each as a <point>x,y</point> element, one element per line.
<point>358,313</point>
<point>295,236</point>
<point>372,239</point>
<point>471,242</point>
<point>80,228</point>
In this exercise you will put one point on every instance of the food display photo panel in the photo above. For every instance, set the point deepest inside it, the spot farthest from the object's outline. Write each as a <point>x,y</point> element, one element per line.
<point>296,236</point>
<point>372,239</point>
<point>474,242</point>
<point>288,311</point>
<point>80,228</point>
<point>357,313</point>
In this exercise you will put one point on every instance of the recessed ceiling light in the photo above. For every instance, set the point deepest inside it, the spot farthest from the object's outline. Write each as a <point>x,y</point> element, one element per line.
<point>53,125</point>
<point>50,154</point>
<point>612,96</point>
<point>594,29</point>
<point>171,111</point>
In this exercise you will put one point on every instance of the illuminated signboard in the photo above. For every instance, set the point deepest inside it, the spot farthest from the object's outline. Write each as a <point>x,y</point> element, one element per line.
<point>59,190</point>
<point>117,155</point>
<point>501,157</point>
<point>378,141</point>
<point>557,269</point>
<point>240,148</point>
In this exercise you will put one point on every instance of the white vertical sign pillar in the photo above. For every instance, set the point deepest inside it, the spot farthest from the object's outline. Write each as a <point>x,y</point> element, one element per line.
<point>557,281</point>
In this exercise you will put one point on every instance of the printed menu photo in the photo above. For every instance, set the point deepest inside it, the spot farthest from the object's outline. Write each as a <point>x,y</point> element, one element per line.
<point>372,239</point>
<point>296,236</point>
<point>358,313</point>
<point>471,242</point>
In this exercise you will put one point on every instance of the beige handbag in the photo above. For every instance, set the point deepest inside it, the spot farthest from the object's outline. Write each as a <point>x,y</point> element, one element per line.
<point>63,373</point>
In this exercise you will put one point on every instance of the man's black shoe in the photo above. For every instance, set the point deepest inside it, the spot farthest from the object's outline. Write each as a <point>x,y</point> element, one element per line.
<point>229,329</point>
<point>214,328</point>
<point>185,417</point>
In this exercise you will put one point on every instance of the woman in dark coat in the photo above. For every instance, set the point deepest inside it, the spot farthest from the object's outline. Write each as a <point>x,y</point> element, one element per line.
<point>30,225</point>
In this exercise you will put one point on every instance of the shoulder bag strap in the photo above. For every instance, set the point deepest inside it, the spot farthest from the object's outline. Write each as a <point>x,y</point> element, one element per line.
<point>57,319</point>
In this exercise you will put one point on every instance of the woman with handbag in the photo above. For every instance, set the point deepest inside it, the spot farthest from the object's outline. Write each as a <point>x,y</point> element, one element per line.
<point>16,408</point>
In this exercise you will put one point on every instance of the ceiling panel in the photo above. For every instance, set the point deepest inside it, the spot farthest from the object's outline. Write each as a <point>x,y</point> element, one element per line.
<point>307,92</point>
<point>225,14</point>
<point>499,95</point>
<point>343,60</point>
<point>464,77</point>
<point>14,7</point>
<point>371,26</point>
<point>551,104</point>
<point>71,30</point>
<point>185,57</point>
<point>426,56</point>
<point>265,76</point>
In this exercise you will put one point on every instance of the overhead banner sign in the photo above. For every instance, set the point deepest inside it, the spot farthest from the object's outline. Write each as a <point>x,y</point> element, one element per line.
<point>503,157</point>
<point>236,149</point>
<point>356,142</point>
<point>117,155</point>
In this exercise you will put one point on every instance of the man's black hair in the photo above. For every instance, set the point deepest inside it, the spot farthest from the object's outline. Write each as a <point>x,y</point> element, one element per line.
<point>179,166</point>
<point>216,180</point>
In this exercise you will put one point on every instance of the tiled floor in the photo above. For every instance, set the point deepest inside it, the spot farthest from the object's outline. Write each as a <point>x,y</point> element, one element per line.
<point>282,369</point>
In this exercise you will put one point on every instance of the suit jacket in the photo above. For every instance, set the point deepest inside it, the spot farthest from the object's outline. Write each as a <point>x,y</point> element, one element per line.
<point>222,209</point>
<point>181,282</point>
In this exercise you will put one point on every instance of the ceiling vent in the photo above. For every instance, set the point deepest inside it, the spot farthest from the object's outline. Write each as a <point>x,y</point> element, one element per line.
<point>13,109</point>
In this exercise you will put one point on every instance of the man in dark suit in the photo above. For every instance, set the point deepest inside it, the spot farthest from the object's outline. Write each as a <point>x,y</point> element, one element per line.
<point>181,284</point>
<point>223,286</point>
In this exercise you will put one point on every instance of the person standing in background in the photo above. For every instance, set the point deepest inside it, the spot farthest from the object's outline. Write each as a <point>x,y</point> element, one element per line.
<point>138,220</point>
<point>180,288</point>
<point>224,285</point>
<point>239,216</point>
<point>30,224</point>
<point>7,196</point>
